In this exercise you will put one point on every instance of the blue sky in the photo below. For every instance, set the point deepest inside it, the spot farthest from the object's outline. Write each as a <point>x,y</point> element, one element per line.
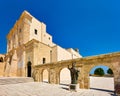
<point>105,68</point>
<point>93,26</point>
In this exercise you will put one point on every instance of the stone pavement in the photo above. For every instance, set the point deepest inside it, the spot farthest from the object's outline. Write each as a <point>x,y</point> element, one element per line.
<point>44,89</point>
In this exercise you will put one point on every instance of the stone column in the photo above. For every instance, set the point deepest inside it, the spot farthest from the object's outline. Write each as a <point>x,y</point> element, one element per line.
<point>81,78</point>
<point>86,82</point>
<point>52,78</point>
<point>24,65</point>
<point>35,75</point>
<point>40,76</point>
<point>14,67</point>
<point>117,81</point>
<point>86,78</point>
<point>57,77</point>
<point>117,77</point>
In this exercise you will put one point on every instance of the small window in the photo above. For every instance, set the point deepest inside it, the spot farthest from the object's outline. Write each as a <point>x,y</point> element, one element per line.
<point>36,31</point>
<point>1,59</point>
<point>44,60</point>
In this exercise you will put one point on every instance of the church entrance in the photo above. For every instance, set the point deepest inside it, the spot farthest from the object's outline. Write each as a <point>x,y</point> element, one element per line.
<point>29,69</point>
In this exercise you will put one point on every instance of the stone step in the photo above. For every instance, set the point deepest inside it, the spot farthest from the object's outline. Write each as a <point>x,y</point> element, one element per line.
<point>15,80</point>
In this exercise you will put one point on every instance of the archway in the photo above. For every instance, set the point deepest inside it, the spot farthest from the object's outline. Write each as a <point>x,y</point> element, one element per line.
<point>45,76</point>
<point>29,69</point>
<point>65,76</point>
<point>1,59</point>
<point>104,82</point>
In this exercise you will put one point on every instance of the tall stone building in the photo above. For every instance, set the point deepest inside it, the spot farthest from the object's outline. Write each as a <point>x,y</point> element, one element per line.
<point>28,45</point>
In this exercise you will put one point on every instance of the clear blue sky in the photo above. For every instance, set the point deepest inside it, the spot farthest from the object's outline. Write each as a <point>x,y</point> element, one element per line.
<point>93,26</point>
<point>105,68</point>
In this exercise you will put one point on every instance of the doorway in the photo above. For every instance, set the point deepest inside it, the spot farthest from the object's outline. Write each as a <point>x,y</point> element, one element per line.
<point>29,70</point>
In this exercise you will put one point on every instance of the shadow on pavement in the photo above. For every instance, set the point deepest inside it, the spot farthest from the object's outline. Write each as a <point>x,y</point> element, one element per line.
<point>102,90</point>
<point>112,93</point>
<point>66,85</point>
<point>65,88</point>
<point>45,81</point>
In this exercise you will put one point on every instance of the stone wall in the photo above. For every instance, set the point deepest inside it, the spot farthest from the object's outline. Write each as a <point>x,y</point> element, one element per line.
<point>84,65</point>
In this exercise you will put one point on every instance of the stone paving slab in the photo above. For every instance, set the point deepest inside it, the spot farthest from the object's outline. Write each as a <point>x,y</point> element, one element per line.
<point>44,89</point>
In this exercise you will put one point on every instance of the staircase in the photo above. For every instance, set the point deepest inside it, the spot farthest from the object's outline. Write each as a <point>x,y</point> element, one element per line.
<point>15,80</point>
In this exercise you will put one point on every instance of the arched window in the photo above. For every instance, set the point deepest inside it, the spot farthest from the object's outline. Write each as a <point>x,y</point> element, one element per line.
<point>1,59</point>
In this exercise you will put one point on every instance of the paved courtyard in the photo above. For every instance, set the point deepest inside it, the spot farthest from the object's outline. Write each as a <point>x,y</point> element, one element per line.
<point>44,89</point>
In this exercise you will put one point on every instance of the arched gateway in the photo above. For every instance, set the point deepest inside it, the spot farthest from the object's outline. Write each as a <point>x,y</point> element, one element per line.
<point>84,65</point>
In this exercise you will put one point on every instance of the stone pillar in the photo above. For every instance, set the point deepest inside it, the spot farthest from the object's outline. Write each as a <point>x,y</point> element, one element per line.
<point>24,65</point>
<point>117,77</point>
<point>52,77</point>
<point>81,82</point>
<point>57,78</point>
<point>40,76</point>
<point>86,78</point>
<point>26,30</point>
<point>117,82</point>
<point>13,67</point>
<point>7,68</point>
<point>35,75</point>
<point>86,82</point>
<point>81,78</point>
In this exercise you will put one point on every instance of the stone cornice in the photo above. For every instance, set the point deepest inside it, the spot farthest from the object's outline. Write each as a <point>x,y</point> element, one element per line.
<point>34,41</point>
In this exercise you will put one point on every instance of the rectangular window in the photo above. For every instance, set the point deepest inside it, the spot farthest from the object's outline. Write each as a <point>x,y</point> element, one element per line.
<point>36,31</point>
<point>49,38</point>
<point>44,60</point>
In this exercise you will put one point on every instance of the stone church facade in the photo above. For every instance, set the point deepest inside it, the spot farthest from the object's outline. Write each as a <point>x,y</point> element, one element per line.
<point>28,45</point>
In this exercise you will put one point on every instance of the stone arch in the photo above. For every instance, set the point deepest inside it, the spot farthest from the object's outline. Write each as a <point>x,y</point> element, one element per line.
<point>45,75</point>
<point>64,76</point>
<point>1,59</point>
<point>29,69</point>
<point>100,80</point>
<point>109,65</point>
<point>88,68</point>
<point>58,73</point>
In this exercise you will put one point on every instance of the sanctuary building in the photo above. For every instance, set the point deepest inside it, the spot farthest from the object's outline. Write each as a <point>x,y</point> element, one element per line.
<point>28,45</point>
